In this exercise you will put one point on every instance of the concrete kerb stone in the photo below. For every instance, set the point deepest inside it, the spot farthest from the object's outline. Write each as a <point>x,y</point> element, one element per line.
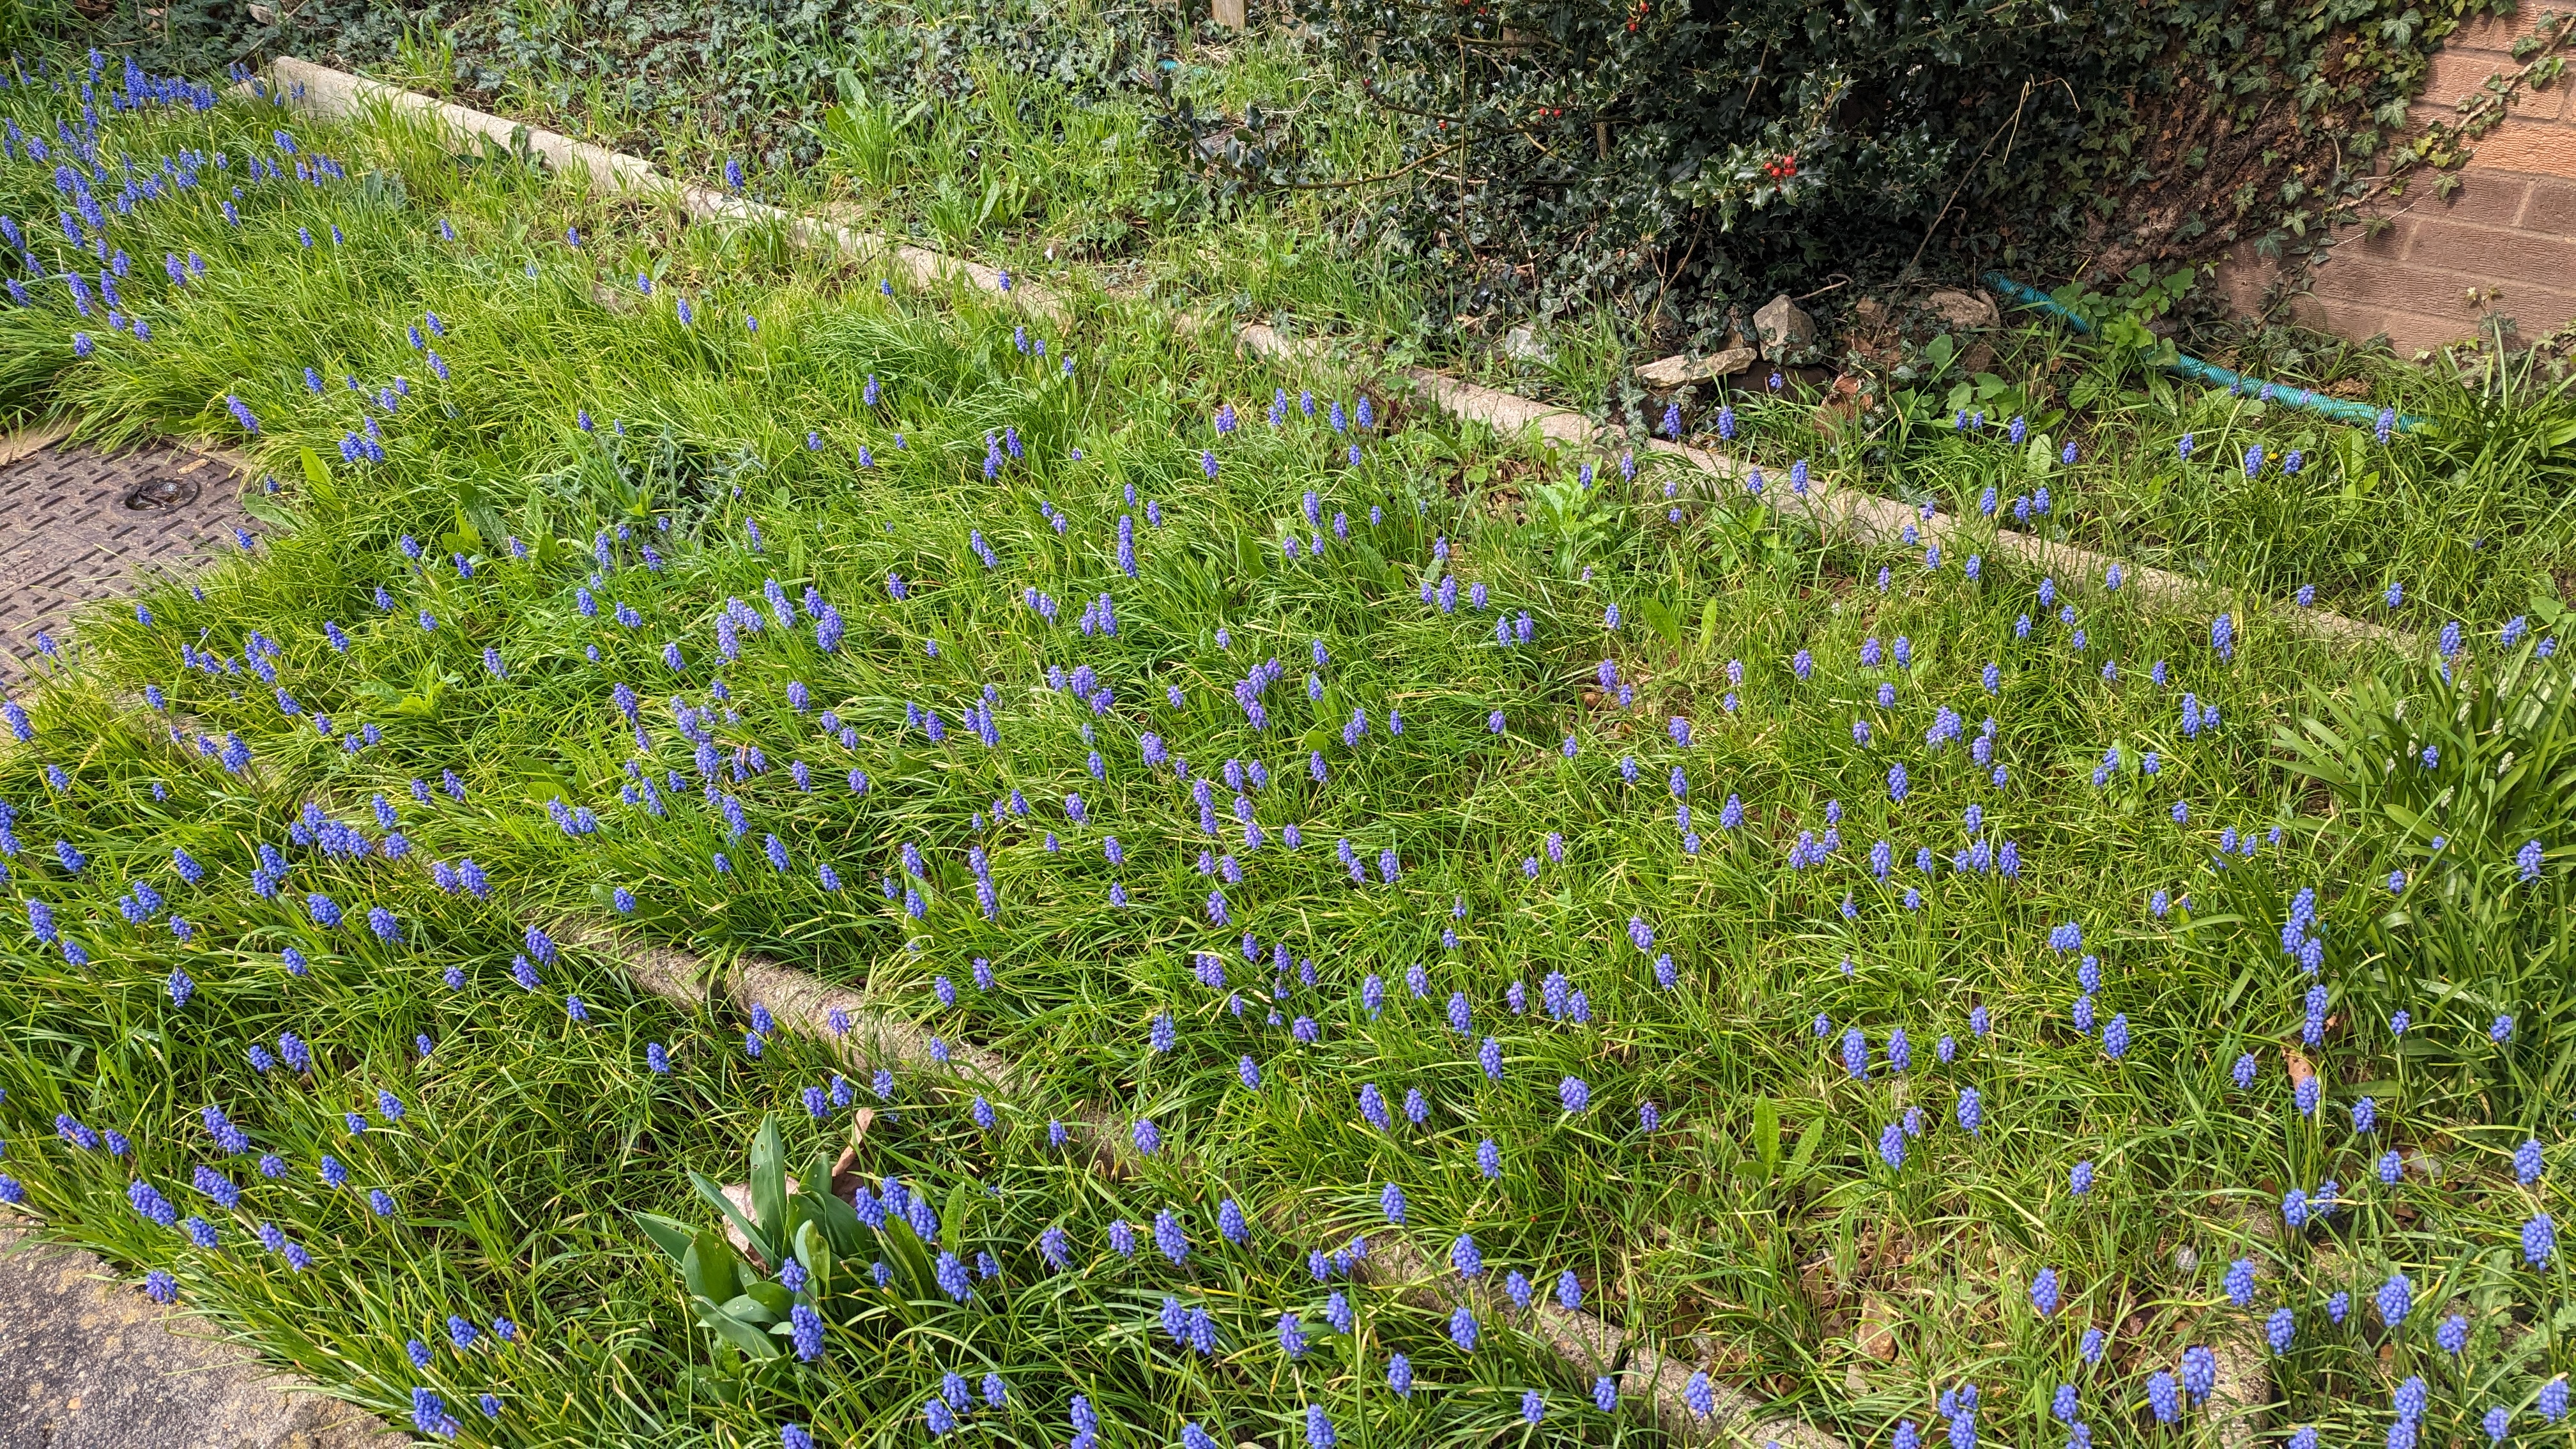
<point>2241,1391</point>
<point>321,91</point>
<point>336,95</point>
<point>921,265</point>
<point>28,442</point>
<point>805,1004</point>
<point>1851,513</point>
<point>1592,1346</point>
<point>799,1002</point>
<point>1833,510</point>
<point>1865,517</point>
<point>1504,412</point>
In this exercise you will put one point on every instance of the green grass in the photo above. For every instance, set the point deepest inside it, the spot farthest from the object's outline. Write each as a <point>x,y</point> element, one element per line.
<point>2468,515</point>
<point>1028,169</point>
<point>1752,1228</point>
<point>1025,138</point>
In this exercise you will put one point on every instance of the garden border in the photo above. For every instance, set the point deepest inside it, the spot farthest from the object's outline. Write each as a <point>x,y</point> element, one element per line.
<point>1835,510</point>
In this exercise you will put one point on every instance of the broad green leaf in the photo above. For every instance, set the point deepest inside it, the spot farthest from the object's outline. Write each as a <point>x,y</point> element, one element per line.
<point>714,1193</point>
<point>772,1298</point>
<point>734,1330</point>
<point>837,1220</point>
<point>710,1267</point>
<point>1805,1153</point>
<point>816,1254</point>
<point>317,477</point>
<point>769,1183</point>
<point>668,1234</point>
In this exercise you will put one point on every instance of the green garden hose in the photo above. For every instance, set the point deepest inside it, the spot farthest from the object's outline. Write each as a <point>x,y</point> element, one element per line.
<point>2359,414</point>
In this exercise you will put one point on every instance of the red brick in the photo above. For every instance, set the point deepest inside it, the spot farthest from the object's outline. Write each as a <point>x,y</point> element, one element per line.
<point>2551,209</point>
<point>2540,305</point>
<point>2432,307</point>
<point>2534,308</point>
<point>2457,74</point>
<point>2490,251</point>
<point>2526,145</point>
<point>2308,311</point>
<point>2488,198</point>
<point>2399,286</point>
<point>2503,241</point>
<point>2495,32</point>
<point>2526,291</point>
<point>2385,244</point>
<point>2413,332</point>
<point>2407,332</point>
<point>2529,106</point>
<point>2245,277</point>
<point>2539,313</point>
<point>2542,105</point>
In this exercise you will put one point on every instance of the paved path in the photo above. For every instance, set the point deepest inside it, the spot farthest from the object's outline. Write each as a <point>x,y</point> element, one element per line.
<point>87,1362</point>
<point>77,524</point>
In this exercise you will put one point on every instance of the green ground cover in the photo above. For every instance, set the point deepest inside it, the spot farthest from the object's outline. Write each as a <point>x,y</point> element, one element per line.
<point>1029,141</point>
<point>656,603</point>
<point>1049,140</point>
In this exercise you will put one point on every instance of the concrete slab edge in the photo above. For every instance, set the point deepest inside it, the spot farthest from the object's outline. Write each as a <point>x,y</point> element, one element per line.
<point>28,442</point>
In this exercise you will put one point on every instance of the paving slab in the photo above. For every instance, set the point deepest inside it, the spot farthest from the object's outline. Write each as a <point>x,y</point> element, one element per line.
<point>78,524</point>
<point>88,1362</point>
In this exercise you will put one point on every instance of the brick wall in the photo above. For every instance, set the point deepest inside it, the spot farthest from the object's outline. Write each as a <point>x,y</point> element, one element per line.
<point>2503,243</point>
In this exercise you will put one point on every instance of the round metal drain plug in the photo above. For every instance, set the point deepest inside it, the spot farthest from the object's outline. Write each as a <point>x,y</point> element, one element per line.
<point>154,494</point>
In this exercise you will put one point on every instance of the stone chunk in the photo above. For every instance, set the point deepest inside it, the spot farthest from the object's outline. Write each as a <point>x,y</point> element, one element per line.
<point>1780,324</point>
<point>1680,369</point>
<point>1522,345</point>
<point>1964,309</point>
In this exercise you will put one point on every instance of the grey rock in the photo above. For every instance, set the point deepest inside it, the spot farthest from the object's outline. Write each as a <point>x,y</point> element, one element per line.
<point>2243,1387</point>
<point>1972,310</point>
<point>1678,370</point>
<point>86,1362</point>
<point>1522,345</point>
<point>1781,327</point>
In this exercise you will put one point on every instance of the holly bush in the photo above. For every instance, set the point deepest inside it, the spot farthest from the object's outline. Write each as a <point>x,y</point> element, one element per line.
<point>1689,156</point>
